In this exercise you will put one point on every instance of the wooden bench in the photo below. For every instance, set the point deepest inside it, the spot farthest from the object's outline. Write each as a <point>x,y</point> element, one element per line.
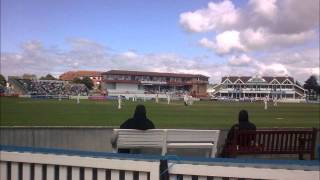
<point>166,138</point>
<point>272,141</point>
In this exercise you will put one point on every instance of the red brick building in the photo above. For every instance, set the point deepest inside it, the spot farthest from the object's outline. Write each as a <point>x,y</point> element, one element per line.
<point>95,76</point>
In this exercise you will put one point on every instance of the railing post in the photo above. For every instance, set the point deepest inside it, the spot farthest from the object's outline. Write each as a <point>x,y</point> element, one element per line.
<point>62,173</point>
<point>26,171</point>
<point>75,173</point>
<point>14,171</point>
<point>37,172</point>
<point>164,142</point>
<point>301,147</point>
<point>88,173</point>
<point>115,174</point>
<point>3,170</point>
<point>313,145</point>
<point>101,174</point>
<point>155,172</point>
<point>50,172</point>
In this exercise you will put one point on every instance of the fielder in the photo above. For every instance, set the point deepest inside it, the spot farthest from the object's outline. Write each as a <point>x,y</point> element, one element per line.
<point>265,100</point>
<point>157,98</point>
<point>275,102</point>
<point>78,99</point>
<point>168,98</point>
<point>190,100</point>
<point>185,99</point>
<point>119,102</point>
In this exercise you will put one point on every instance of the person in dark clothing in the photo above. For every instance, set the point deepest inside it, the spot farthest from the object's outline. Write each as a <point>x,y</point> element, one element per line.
<point>138,121</point>
<point>243,124</point>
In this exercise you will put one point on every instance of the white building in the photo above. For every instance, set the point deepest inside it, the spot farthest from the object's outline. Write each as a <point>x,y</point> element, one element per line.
<point>259,87</point>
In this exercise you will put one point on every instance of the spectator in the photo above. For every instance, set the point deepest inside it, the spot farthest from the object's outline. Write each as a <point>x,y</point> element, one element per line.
<point>52,87</point>
<point>138,121</point>
<point>244,124</point>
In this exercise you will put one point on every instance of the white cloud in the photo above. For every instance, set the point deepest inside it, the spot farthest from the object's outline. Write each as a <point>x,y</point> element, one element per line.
<point>41,60</point>
<point>265,8</point>
<point>242,60</point>
<point>217,14</point>
<point>299,64</point>
<point>34,58</point>
<point>295,16</point>
<point>225,42</point>
<point>274,69</point>
<point>260,24</point>
<point>130,54</point>
<point>262,39</point>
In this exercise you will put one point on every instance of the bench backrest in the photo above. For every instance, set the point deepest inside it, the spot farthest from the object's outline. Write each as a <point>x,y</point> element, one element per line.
<point>192,136</point>
<point>161,138</point>
<point>129,138</point>
<point>274,141</point>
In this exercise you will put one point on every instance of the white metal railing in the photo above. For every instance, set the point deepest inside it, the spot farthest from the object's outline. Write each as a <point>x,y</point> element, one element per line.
<point>235,172</point>
<point>88,164</point>
<point>39,166</point>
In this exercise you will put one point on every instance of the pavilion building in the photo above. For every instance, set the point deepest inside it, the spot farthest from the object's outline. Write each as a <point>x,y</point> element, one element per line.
<point>259,87</point>
<point>139,82</point>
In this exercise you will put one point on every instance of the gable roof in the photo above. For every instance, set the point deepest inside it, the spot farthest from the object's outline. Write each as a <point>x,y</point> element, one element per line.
<point>268,79</point>
<point>70,75</point>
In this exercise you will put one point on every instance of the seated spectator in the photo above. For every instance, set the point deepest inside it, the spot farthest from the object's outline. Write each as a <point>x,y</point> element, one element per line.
<point>138,121</point>
<point>243,124</point>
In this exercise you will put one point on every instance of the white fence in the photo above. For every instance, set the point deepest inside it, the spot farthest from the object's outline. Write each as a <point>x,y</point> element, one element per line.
<point>48,166</point>
<point>16,165</point>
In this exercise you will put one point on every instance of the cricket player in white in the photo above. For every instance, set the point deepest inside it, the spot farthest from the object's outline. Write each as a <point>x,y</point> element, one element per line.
<point>119,102</point>
<point>190,100</point>
<point>275,101</point>
<point>185,99</point>
<point>168,98</point>
<point>265,100</point>
<point>157,98</point>
<point>78,99</point>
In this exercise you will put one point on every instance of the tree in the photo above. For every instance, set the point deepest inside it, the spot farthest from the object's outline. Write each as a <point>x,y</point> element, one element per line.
<point>48,77</point>
<point>88,82</point>
<point>3,81</point>
<point>312,85</point>
<point>77,80</point>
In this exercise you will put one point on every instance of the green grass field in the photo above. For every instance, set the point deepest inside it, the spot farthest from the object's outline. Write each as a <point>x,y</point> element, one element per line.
<point>202,115</point>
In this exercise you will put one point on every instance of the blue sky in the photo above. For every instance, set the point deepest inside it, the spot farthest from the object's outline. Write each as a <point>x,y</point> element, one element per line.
<point>145,26</point>
<point>209,37</point>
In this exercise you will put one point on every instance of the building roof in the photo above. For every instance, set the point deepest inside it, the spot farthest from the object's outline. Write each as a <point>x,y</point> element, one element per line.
<point>268,79</point>
<point>143,73</point>
<point>70,75</point>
